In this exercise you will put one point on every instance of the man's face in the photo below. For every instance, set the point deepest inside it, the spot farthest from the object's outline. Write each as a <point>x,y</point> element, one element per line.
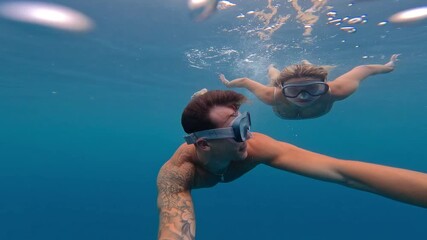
<point>226,148</point>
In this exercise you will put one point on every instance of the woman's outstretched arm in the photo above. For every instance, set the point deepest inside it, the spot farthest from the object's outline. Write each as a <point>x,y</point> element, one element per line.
<point>262,92</point>
<point>347,84</point>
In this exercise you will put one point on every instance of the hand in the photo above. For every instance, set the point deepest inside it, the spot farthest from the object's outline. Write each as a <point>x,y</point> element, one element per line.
<point>224,80</point>
<point>393,60</point>
<point>271,66</point>
<point>273,73</point>
<point>238,82</point>
<point>200,92</point>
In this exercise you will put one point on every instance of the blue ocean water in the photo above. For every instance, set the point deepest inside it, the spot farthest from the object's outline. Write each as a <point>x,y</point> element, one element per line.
<point>87,119</point>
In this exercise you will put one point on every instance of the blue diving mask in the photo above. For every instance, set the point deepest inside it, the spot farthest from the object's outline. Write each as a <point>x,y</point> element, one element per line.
<point>239,131</point>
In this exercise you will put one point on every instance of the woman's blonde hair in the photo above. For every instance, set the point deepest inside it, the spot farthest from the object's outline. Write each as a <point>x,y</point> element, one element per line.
<point>302,70</point>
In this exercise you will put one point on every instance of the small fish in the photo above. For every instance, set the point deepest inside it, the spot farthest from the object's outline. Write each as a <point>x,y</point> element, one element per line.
<point>331,14</point>
<point>348,29</point>
<point>335,21</point>
<point>241,16</point>
<point>355,20</point>
<point>222,5</point>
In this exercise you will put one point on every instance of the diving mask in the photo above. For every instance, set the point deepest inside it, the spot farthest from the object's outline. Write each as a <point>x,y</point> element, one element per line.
<point>239,131</point>
<point>313,88</point>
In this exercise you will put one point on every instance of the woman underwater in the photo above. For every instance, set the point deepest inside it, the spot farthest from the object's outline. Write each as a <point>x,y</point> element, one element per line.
<point>301,91</point>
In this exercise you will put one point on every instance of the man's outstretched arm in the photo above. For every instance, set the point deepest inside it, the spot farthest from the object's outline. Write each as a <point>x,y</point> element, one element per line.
<point>395,183</point>
<point>176,211</point>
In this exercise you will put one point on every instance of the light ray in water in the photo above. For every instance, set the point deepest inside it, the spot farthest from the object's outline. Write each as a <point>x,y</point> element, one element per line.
<point>46,14</point>
<point>202,9</point>
<point>410,15</point>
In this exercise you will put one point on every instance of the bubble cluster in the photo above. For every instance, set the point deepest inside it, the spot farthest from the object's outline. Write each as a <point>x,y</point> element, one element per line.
<point>339,22</point>
<point>205,58</point>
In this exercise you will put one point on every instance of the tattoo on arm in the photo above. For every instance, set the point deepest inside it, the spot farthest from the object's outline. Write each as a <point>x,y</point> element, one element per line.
<point>175,204</point>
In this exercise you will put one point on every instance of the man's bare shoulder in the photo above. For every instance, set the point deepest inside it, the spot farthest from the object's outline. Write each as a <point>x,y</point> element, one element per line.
<point>177,174</point>
<point>263,148</point>
<point>260,139</point>
<point>258,146</point>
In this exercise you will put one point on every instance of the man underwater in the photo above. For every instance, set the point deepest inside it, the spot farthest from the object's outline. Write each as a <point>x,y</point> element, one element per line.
<point>221,148</point>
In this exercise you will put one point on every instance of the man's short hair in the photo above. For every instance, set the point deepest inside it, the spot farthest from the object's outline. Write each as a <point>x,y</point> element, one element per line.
<point>195,116</point>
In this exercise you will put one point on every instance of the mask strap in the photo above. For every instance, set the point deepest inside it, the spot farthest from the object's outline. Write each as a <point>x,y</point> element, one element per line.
<point>274,95</point>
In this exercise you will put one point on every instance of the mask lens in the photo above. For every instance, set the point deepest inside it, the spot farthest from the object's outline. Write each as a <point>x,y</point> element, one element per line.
<point>245,126</point>
<point>317,89</point>
<point>292,91</point>
<point>314,89</point>
<point>241,128</point>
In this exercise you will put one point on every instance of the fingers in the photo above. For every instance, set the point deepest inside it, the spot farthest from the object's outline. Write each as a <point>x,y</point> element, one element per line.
<point>223,79</point>
<point>393,60</point>
<point>200,92</point>
<point>394,57</point>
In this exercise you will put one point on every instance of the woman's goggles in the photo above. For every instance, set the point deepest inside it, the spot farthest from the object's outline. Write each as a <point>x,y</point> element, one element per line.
<point>239,131</point>
<point>317,88</point>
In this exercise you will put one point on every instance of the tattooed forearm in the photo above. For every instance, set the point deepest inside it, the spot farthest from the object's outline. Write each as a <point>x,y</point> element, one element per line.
<point>177,219</point>
<point>186,231</point>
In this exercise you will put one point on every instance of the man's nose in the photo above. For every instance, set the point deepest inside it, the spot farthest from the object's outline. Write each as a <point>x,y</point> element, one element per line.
<point>249,135</point>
